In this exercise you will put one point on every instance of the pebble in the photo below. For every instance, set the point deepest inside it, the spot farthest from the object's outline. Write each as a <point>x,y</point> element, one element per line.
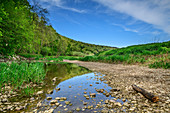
<point>53,101</point>
<point>85,95</point>
<point>4,100</point>
<point>132,109</point>
<point>50,91</point>
<point>64,98</point>
<point>123,100</point>
<point>57,104</point>
<point>57,98</point>
<point>39,92</point>
<point>107,94</point>
<point>106,101</point>
<point>39,104</point>
<point>87,98</point>
<point>117,104</point>
<point>66,109</point>
<point>9,107</point>
<point>77,109</point>
<point>84,103</point>
<point>126,104</point>
<point>54,79</point>
<point>93,94</point>
<point>50,111</point>
<point>19,108</point>
<point>67,102</point>
<point>49,98</point>
<point>57,89</point>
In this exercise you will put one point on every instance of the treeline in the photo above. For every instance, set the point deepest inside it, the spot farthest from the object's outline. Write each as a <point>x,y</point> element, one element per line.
<point>77,48</point>
<point>25,30</point>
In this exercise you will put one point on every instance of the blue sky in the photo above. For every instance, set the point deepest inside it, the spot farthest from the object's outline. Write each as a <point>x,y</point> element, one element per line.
<point>116,23</point>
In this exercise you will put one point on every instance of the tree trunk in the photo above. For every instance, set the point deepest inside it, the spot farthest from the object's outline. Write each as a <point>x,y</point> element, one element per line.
<point>145,93</point>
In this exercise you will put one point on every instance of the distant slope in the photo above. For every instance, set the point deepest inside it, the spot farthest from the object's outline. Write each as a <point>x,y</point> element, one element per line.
<point>77,48</point>
<point>155,55</point>
<point>143,49</point>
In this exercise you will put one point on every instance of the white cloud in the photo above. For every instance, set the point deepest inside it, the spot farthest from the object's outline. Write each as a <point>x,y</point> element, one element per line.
<point>154,12</point>
<point>125,28</point>
<point>60,4</point>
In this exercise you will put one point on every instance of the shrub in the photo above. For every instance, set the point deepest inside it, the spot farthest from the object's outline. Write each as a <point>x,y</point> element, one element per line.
<point>27,55</point>
<point>18,74</point>
<point>161,64</point>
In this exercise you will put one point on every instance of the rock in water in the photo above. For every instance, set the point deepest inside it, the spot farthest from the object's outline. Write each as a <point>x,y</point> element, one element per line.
<point>53,101</point>
<point>67,102</point>
<point>50,92</point>
<point>49,98</point>
<point>93,94</point>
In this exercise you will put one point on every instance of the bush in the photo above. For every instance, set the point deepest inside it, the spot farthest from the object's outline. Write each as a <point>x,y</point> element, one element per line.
<point>46,51</point>
<point>18,74</point>
<point>161,64</point>
<point>26,55</point>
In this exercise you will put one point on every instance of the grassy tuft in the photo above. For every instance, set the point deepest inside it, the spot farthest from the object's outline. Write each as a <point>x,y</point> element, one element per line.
<point>17,75</point>
<point>161,64</point>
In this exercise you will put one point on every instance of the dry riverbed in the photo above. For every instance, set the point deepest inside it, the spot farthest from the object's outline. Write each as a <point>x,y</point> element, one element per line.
<point>119,76</point>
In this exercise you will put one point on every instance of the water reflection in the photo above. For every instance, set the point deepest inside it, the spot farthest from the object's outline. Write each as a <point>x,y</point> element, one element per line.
<point>75,88</point>
<point>75,84</point>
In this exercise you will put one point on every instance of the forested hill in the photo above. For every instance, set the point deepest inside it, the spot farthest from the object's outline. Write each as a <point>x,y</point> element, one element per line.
<point>77,48</point>
<point>24,29</point>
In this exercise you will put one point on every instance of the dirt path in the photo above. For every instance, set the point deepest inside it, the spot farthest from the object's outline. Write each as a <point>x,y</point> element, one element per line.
<point>122,77</point>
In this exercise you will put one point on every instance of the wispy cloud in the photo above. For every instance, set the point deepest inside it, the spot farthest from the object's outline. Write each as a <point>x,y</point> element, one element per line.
<point>125,28</point>
<point>60,4</point>
<point>154,12</point>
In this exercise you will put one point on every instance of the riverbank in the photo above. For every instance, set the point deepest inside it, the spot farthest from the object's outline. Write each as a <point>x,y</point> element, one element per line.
<point>156,81</point>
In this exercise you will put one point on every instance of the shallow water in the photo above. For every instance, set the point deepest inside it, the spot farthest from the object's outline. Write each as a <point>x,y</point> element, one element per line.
<point>73,89</point>
<point>73,81</point>
<point>75,94</point>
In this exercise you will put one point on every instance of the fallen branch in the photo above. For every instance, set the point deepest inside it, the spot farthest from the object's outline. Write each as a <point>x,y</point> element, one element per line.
<point>145,93</point>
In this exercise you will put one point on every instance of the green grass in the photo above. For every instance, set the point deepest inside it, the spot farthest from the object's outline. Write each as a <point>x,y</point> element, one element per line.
<point>69,57</point>
<point>49,58</point>
<point>146,49</point>
<point>160,64</point>
<point>154,55</point>
<point>17,75</point>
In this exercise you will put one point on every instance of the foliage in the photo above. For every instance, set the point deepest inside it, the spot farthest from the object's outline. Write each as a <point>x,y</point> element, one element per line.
<point>77,48</point>
<point>70,57</point>
<point>18,75</point>
<point>160,64</point>
<point>24,30</point>
<point>146,49</point>
<point>156,53</point>
<point>26,55</point>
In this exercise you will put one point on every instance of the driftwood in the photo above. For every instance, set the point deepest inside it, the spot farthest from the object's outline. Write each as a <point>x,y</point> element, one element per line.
<point>146,94</point>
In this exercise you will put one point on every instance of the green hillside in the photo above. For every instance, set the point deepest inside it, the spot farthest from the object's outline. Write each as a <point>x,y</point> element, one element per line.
<point>155,55</point>
<point>77,48</point>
